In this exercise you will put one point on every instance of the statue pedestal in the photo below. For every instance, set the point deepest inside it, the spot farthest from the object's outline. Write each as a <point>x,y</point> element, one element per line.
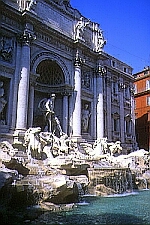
<point>18,139</point>
<point>86,136</point>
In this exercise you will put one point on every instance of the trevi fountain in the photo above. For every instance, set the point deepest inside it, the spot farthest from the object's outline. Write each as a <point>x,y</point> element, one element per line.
<point>49,173</point>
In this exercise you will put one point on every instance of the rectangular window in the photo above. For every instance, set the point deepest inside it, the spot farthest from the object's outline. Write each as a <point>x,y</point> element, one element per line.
<point>127,92</point>
<point>134,104</point>
<point>116,124</point>
<point>128,127</point>
<point>113,63</point>
<point>135,88</point>
<point>115,87</point>
<point>147,84</point>
<point>148,100</point>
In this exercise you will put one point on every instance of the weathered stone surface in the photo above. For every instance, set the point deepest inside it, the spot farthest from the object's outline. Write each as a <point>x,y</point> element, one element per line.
<point>63,179</point>
<point>7,176</point>
<point>102,190</point>
<point>14,164</point>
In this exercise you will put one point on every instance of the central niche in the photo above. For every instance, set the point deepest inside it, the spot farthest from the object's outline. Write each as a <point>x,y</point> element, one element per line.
<point>50,73</point>
<point>51,80</point>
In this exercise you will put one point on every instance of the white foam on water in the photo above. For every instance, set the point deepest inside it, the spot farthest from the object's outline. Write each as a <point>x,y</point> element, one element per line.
<point>89,195</point>
<point>122,195</point>
<point>83,203</point>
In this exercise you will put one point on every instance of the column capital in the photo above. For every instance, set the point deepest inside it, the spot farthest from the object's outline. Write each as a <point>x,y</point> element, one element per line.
<point>65,93</point>
<point>100,70</point>
<point>78,60</point>
<point>121,86</point>
<point>26,37</point>
<point>132,90</point>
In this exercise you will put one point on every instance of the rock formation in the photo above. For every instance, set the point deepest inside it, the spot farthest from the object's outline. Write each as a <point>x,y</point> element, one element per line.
<point>55,169</point>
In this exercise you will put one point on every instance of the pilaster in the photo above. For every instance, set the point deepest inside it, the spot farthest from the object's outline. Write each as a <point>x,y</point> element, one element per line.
<point>121,104</point>
<point>108,106</point>
<point>33,78</point>
<point>65,111</point>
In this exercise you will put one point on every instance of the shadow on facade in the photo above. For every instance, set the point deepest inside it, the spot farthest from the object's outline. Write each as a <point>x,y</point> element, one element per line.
<point>142,131</point>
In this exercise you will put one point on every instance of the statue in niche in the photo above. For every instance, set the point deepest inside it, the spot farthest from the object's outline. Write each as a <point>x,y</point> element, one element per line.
<point>86,80</point>
<point>85,118</point>
<point>80,27</point>
<point>2,104</point>
<point>46,105</point>
<point>6,48</point>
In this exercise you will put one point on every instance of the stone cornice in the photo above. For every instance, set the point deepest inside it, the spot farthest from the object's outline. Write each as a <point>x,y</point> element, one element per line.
<point>146,92</point>
<point>64,89</point>
<point>120,72</point>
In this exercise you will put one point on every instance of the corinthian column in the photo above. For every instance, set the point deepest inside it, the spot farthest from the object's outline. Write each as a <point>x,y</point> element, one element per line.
<point>77,98</point>
<point>100,113</point>
<point>23,89</point>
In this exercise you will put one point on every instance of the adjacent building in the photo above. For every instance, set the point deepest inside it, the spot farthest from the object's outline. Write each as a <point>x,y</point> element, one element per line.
<point>48,47</point>
<point>142,107</point>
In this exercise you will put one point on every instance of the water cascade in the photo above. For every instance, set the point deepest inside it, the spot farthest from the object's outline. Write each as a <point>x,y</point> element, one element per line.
<point>80,190</point>
<point>110,180</point>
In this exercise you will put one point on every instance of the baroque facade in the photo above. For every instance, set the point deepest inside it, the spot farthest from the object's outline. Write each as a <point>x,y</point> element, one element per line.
<point>48,47</point>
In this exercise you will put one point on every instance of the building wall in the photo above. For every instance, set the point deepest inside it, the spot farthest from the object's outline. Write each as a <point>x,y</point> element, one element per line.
<point>142,107</point>
<point>47,35</point>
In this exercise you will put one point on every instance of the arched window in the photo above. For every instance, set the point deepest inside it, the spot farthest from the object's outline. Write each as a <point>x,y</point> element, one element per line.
<point>50,73</point>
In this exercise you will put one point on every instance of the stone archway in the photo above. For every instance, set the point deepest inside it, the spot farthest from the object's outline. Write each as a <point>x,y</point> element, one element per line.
<point>51,80</point>
<point>50,73</point>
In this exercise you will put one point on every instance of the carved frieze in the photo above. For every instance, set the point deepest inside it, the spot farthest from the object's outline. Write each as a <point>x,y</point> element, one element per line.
<point>6,70</point>
<point>10,21</point>
<point>86,79</point>
<point>6,48</point>
<point>53,41</point>
<point>54,19</point>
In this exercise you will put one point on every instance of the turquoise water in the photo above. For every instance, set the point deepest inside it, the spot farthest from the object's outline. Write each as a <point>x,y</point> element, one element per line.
<point>120,209</point>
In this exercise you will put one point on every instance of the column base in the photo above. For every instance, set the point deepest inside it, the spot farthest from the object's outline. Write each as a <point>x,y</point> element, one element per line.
<point>77,139</point>
<point>18,137</point>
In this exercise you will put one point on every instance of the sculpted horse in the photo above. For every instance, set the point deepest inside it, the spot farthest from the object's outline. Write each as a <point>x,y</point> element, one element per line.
<point>115,148</point>
<point>32,142</point>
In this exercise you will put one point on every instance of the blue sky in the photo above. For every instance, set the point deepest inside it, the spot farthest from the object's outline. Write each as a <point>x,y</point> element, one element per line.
<point>125,25</point>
